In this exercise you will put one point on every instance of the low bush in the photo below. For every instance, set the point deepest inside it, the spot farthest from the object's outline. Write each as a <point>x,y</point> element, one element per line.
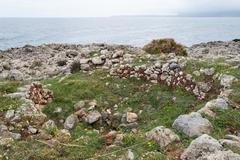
<point>75,67</point>
<point>165,46</point>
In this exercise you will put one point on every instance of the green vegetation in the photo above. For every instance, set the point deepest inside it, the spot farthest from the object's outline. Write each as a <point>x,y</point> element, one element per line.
<point>165,46</point>
<point>75,67</point>
<point>155,105</point>
<point>7,103</point>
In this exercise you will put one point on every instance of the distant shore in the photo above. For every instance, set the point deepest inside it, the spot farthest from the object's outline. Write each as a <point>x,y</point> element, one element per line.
<point>44,61</point>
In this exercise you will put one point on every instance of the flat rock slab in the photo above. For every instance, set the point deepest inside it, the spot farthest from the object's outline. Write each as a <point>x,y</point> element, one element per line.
<point>192,124</point>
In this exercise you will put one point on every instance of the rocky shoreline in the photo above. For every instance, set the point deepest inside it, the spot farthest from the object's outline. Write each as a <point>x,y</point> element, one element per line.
<point>45,61</point>
<point>30,64</point>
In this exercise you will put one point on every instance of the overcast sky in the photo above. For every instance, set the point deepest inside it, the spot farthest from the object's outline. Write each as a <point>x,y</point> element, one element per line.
<point>99,8</point>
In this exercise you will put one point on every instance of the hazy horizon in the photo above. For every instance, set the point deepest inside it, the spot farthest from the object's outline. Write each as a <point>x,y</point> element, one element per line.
<point>109,8</point>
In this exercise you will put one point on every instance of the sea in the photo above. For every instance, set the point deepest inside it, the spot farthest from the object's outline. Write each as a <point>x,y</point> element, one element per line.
<point>136,31</point>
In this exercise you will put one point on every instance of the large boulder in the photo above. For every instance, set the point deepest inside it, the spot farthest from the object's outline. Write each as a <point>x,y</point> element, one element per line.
<point>162,135</point>
<point>192,124</point>
<point>221,155</point>
<point>201,147</point>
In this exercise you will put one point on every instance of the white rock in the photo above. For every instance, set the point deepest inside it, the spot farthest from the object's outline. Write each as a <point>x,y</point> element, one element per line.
<point>200,147</point>
<point>226,80</point>
<point>221,155</point>
<point>97,61</point>
<point>163,136</point>
<point>70,122</point>
<point>192,124</point>
<point>93,117</point>
<point>9,114</point>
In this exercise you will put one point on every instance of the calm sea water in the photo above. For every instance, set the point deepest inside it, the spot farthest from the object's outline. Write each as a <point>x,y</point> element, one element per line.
<point>137,31</point>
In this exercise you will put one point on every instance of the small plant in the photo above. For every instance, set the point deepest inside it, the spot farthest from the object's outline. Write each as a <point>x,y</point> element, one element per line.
<point>75,67</point>
<point>52,131</point>
<point>165,46</point>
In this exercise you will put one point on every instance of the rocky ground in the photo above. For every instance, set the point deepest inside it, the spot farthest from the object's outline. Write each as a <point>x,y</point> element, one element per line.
<point>99,101</point>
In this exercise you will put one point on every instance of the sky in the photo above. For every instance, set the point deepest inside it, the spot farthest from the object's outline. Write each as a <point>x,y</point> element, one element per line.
<point>106,8</point>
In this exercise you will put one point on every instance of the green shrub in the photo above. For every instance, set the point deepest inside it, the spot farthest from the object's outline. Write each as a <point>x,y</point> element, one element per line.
<point>75,67</point>
<point>165,46</point>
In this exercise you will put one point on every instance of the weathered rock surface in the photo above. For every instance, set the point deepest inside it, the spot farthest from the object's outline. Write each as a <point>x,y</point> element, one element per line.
<point>93,117</point>
<point>192,124</point>
<point>201,147</point>
<point>70,122</point>
<point>163,136</point>
<point>221,155</point>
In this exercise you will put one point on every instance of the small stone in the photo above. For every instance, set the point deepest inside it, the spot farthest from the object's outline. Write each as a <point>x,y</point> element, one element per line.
<point>81,113</point>
<point>110,137</point>
<point>32,130</point>
<point>130,155</point>
<point>93,117</point>
<point>10,114</point>
<point>132,117</point>
<point>173,66</point>
<point>79,105</point>
<point>16,136</point>
<point>97,61</point>
<point>70,122</point>
<point>58,110</point>
<point>226,80</point>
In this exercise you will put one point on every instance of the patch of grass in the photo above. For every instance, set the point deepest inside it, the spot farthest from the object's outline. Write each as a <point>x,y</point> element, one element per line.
<point>225,122</point>
<point>165,46</point>
<point>9,103</point>
<point>6,102</point>
<point>9,86</point>
<point>218,65</point>
<point>235,95</point>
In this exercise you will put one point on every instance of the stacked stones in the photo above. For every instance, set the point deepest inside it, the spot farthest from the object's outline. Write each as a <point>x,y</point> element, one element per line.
<point>168,73</point>
<point>105,118</point>
<point>27,120</point>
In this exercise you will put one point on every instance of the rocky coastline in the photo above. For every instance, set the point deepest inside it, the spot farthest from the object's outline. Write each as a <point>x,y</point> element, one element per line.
<point>212,87</point>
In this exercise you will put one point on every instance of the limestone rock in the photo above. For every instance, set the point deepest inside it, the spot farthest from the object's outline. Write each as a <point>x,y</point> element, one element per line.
<point>9,114</point>
<point>227,80</point>
<point>131,117</point>
<point>192,124</point>
<point>200,147</point>
<point>163,136</point>
<point>70,122</point>
<point>221,155</point>
<point>93,117</point>
<point>97,61</point>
